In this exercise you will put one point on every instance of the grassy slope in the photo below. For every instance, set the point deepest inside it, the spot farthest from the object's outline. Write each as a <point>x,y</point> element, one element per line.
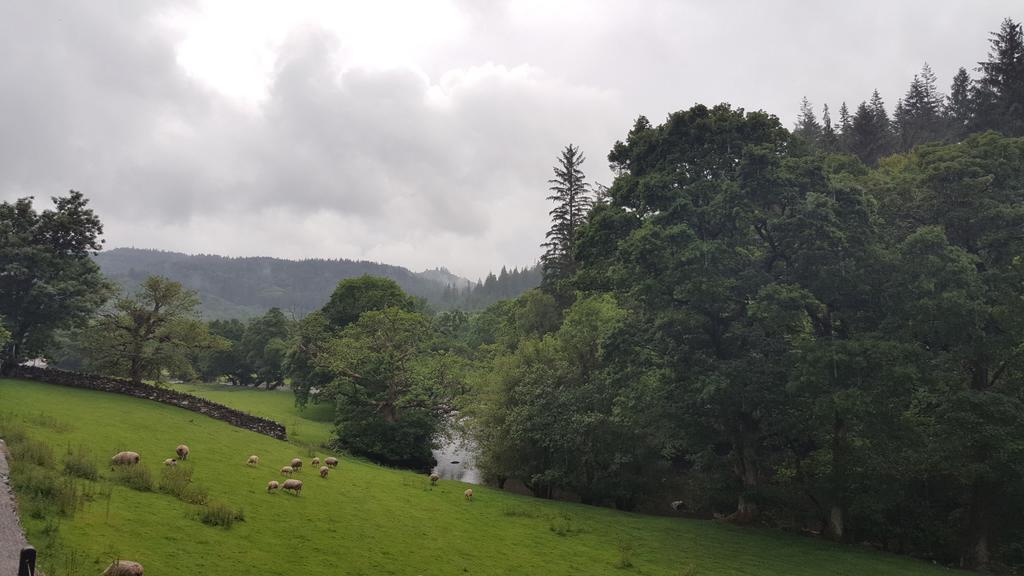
<point>370,520</point>
<point>312,425</point>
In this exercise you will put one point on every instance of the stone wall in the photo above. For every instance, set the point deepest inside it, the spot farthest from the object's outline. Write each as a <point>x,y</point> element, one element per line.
<point>157,394</point>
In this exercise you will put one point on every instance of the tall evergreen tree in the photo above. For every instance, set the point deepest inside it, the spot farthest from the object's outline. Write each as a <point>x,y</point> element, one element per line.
<point>571,194</point>
<point>958,111</point>
<point>870,131</point>
<point>829,140</point>
<point>807,125</point>
<point>845,128</point>
<point>919,115</point>
<point>999,95</point>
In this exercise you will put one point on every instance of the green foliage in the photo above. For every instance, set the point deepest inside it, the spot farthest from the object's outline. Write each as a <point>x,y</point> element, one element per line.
<point>134,476</point>
<point>572,197</point>
<point>47,280</point>
<point>393,394</point>
<point>144,334</point>
<point>177,481</point>
<point>355,296</point>
<point>80,463</point>
<point>220,514</point>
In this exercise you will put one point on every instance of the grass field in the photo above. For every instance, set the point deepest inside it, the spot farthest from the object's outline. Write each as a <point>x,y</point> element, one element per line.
<point>363,519</point>
<point>313,425</point>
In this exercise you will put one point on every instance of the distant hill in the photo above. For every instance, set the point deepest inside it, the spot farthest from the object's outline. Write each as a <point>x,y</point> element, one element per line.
<point>247,287</point>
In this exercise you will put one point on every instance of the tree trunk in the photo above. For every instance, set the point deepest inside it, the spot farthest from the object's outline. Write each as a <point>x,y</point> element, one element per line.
<point>746,468</point>
<point>978,553</point>
<point>835,527</point>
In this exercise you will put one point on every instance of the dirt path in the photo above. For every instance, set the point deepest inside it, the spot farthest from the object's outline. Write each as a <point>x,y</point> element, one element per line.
<point>11,538</point>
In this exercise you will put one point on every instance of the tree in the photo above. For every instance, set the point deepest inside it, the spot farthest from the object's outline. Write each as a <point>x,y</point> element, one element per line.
<point>959,106</point>
<point>143,334</point>
<point>870,131</point>
<point>48,281</point>
<point>999,92</point>
<point>228,361</point>
<point>5,336</point>
<point>264,346</point>
<point>354,296</point>
<point>919,114</point>
<point>571,195</point>
<point>807,125</point>
<point>393,395</point>
<point>829,139</point>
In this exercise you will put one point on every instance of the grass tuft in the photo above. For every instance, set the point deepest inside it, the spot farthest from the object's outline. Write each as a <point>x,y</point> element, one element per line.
<point>177,481</point>
<point>220,514</point>
<point>79,463</point>
<point>134,476</point>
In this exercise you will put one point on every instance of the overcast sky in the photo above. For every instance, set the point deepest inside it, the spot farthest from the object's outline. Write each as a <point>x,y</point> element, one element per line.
<point>413,133</point>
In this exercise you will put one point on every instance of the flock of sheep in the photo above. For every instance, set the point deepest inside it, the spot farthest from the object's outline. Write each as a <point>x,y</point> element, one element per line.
<point>291,484</point>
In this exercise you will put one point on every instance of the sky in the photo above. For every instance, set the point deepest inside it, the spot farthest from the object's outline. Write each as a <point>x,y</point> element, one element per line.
<point>417,133</point>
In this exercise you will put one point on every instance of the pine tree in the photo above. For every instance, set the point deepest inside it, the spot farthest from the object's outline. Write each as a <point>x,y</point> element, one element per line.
<point>845,128</point>
<point>870,131</point>
<point>571,194</point>
<point>999,94</point>
<point>958,110</point>
<point>918,116</point>
<point>807,125</point>
<point>829,139</point>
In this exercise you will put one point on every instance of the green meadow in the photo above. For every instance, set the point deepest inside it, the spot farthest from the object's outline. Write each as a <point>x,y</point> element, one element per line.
<point>361,520</point>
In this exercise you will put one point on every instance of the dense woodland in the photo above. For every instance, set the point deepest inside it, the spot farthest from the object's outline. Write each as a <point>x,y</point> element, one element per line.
<point>799,330</point>
<point>243,288</point>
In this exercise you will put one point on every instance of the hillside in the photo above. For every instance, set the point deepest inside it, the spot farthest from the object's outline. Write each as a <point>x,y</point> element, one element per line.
<point>362,519</point>
<point>248,287</point>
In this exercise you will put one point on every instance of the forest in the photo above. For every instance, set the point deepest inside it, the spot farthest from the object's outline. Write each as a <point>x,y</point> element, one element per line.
<point>817,330</point>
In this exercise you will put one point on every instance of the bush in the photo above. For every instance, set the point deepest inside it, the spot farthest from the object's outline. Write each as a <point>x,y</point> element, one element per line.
<point>134,476</point>
<point>80,464</point>
<point>31,451</point>
<point>220,514</point>
<point>177,481</point>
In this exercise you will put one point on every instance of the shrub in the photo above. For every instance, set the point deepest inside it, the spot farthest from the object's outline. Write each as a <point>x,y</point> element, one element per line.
<point>31,451</point>
<point>177,481</point>
<point>79,463</point>
<point>134,476</point>
<point>220,514</point>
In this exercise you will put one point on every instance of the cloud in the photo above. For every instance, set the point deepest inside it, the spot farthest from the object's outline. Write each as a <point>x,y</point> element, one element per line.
<point>418,134</point>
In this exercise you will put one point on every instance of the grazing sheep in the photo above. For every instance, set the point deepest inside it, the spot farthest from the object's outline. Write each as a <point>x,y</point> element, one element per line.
<point>296,463</point>
<point>434,478</point>
<point>254,460</point>
<point>468,494</point>
<point>182,452</point>
<point>677,504</point>
<point>122,458</point>
<point>286,470</point>
<point>314,462</point>
<point>170,462</point>
<point>293,485</point>
<point>272,485</point>
<point>123,568</point>
<point>323,471</point>
<point>331,461</point>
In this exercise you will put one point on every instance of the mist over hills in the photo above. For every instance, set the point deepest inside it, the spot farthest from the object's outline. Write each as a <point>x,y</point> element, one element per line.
<point>244,287</point>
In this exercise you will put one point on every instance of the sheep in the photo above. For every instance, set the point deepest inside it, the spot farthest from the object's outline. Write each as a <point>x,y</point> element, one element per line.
<point>434,478</point>
<point>314,462</point>
<point>170,462</point>
<point>272,485</point>
<point>677,505</point>
<point>331,461</point>
<point>296,463</point>
<point>253,460</point>
<point>468,494</point>
<point>123,568</point>
<point>323,471</point>
<point>122,458</point>
<point>286,470</point>
<point>182,452</point>
<point>294,485</point>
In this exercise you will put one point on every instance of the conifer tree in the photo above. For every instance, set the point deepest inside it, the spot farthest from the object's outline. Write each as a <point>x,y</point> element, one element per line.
<point>807,125</point>
<point>999,95</point>
<point>829,139</point>
<point>571,194</point>
<point>958,111</point>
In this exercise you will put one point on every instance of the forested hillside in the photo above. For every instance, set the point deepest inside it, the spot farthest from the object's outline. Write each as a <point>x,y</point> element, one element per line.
<point>248,287</point>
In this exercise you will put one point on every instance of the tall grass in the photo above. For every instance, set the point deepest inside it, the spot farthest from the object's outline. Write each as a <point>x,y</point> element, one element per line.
<point>78,462</point>
<point>177,481</point>
<point>134,476</point>
<point>220,514</point>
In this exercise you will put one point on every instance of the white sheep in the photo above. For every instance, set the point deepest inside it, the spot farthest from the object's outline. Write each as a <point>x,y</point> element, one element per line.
<point>331,461</point>
<point>293,485</point>
<point>296,463</point>
<point>170,462</point>
<point>286,470</point>
<point>323,471</point>
<point>253,460</point>
<point>272,485</point>
<point>182,452</point>
<point>468,494</point>
<point>122,458</point>
<point>123,568</point>
<point>314,462</point>
<point>434,478</point>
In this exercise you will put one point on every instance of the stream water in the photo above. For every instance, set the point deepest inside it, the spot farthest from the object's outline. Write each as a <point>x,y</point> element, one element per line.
<point>455,461</point>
